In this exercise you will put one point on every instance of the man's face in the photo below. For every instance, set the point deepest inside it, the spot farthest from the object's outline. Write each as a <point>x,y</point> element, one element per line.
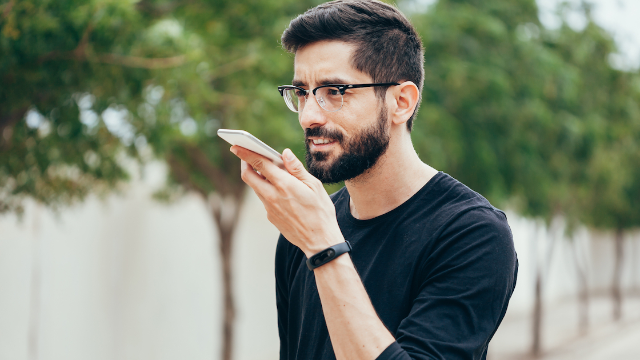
<point>344,144</point>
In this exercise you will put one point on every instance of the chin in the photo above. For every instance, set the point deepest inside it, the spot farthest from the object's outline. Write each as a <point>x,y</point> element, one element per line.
<point>323,157</point>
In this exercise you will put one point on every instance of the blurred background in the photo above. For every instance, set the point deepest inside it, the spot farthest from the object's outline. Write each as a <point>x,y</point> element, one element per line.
<point>126,232</point>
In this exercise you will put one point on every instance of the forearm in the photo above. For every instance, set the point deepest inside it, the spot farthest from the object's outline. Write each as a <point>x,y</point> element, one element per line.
<point>355,329</point>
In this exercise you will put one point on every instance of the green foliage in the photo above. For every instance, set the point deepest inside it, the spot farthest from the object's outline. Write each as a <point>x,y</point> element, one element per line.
<point>532,118</point>
<point>485,113</point>
<point>230,84</point>
<point>99,77</point>
<point>50,53</point>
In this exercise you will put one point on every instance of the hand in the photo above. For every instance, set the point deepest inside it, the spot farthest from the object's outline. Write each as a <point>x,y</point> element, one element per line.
<point>296,202</point>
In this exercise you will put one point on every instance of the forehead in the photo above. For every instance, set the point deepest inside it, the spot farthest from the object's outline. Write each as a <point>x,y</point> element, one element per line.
<point>326,62</point>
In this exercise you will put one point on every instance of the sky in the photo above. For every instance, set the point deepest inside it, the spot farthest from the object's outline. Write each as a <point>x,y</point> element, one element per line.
<point>619,17</point>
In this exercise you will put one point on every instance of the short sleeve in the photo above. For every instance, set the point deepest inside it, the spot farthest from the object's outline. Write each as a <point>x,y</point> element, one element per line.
<point>463,287</point>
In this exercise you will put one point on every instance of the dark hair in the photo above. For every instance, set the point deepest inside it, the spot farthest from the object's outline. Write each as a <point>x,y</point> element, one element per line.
<point>388,47</point>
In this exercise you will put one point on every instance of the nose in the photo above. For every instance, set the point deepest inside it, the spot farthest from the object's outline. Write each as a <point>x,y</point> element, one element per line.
<point>312,115</point>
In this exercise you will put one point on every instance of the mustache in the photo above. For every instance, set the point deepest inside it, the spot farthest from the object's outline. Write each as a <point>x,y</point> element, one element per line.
<point>323,132</point>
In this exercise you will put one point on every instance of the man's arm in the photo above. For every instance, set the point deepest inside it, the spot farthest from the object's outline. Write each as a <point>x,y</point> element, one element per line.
<point>355,329</point>
<point>463,286</point>
<point>300,208</point>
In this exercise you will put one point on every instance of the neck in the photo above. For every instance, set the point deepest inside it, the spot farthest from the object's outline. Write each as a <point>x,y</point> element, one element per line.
<point>397,176</point>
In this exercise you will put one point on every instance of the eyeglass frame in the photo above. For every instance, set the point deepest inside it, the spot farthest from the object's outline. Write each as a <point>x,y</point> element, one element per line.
<point>341,87</point>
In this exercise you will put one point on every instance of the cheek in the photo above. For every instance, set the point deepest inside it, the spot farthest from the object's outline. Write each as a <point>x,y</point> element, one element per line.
<point>362,114</point>
<point>365,107</point>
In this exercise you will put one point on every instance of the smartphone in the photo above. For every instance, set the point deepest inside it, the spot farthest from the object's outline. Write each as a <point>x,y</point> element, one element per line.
<point>250,142</point>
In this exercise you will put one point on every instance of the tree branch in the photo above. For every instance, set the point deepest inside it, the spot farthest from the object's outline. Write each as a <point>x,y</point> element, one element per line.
<point>233,66</point>
<point>7,121</point>
<point>114,59</point>
<point>217,177</point>
<point>82,45</point>
<point>181,174</point>
<point>157,10</point>
<point>7,9</point>
<point>140,62</point>
<point>83,52</point>
<point>13,117</point>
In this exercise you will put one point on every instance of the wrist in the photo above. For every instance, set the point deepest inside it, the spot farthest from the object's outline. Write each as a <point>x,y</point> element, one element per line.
<point>327,255</point>
<point>321,243</point>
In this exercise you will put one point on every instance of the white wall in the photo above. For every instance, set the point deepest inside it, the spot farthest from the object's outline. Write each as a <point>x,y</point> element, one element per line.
<point>560,278</point>
<point>130,278</point>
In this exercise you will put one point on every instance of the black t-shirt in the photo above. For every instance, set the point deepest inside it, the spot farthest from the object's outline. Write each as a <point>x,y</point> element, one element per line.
<point>439,270</point>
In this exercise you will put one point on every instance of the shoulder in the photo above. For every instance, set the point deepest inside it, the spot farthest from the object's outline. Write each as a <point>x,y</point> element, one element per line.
<point>481,226</point>
<point>456,203</point>
<point>470,207</point>
<point>466,223</point>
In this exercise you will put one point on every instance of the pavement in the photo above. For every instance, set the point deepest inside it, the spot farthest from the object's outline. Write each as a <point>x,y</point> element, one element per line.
<point>621,344</point>
<point>562,339</point>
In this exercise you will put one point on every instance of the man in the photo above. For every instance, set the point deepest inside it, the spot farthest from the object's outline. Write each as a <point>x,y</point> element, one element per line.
<point>431,264</point>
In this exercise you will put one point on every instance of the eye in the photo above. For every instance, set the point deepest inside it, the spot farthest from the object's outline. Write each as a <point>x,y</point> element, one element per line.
<point>300,93</point>
<point>333,91</point>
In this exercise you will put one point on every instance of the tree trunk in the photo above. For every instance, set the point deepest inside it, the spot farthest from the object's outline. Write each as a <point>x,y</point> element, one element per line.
<point>225,204</point>
<point>543,264</point>
<point>616,291</point>
<point>226,212</point>
<point>536,346</point>
<point>536,330</point>
<point>583,299</point>
<point>583,287</point>
<point>36,287</point>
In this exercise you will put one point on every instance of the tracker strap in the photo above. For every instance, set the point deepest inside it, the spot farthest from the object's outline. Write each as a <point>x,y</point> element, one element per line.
<point>328,254</point>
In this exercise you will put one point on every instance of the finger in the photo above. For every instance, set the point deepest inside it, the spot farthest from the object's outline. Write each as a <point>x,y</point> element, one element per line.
<point>246,167</point>
<point>259,163</point>
<point>254,170</point>
<point>295,168</point>
<point>257,182</point>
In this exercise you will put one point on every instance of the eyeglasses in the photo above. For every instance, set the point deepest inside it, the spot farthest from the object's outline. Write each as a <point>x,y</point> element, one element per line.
<point>329,97</point>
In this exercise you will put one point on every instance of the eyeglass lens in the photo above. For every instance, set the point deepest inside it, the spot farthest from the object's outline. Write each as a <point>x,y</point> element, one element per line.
<point>329,98</point>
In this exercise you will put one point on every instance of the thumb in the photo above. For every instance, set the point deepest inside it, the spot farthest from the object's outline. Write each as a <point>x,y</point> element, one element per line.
<point>294,166</point>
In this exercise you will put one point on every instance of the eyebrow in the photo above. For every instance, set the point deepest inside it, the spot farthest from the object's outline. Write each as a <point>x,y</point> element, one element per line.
<point>328,81</point>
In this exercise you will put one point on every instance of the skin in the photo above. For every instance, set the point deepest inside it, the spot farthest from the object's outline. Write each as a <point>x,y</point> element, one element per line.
<point>300,208</point>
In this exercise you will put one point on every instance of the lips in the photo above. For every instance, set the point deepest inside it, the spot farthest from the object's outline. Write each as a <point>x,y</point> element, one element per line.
<point>321,141</point>
<point>320,144</point>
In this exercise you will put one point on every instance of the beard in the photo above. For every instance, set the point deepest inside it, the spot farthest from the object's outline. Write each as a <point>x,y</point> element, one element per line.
<point>361,151</point>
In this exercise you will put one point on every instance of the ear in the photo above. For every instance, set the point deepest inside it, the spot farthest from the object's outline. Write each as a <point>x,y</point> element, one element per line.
<point>406,96</point>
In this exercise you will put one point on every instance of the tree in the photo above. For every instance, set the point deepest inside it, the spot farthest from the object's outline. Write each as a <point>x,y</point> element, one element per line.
<point>233,86</point>
<point>516,111</point>
<point>489,115</point>
<point>532,118</point>
<point>604,192</point>
<point>87,82</point>
<point>46,62</point>
<point>52,147</point>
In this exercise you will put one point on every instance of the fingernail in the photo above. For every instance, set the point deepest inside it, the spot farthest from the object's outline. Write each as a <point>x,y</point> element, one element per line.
<point>232,150</point>
<point>289,155</point>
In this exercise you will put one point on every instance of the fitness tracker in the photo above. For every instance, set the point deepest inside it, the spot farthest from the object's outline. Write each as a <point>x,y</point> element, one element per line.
<point>328,254</point>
